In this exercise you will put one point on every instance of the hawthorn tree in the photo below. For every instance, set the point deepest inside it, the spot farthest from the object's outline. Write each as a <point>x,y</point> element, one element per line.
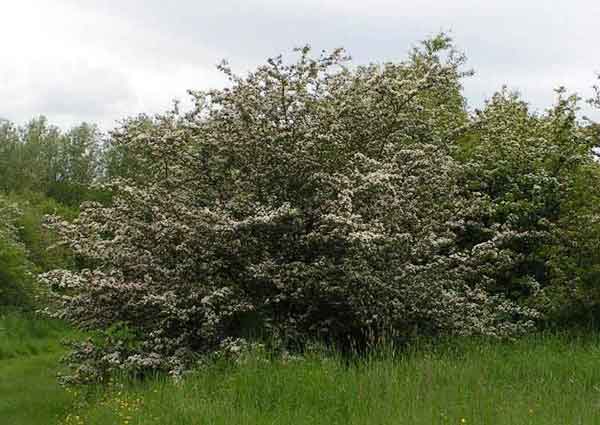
<point>308,200</point>
<point>537,175</point>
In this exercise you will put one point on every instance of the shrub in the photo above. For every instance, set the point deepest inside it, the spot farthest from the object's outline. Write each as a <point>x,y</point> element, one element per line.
<point>311,200</point>
<point>16,271</point>
<point>537,174</point>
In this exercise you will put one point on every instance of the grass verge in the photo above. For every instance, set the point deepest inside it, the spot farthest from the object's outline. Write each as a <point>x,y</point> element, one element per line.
<point>29,361</point>
<point>539,380</point>
<point>547,380</point>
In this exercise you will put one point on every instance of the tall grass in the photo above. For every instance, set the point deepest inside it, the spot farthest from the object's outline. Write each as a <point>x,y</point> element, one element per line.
<point>540,380</point>
<point>29,360</point>
<point>26,334</point>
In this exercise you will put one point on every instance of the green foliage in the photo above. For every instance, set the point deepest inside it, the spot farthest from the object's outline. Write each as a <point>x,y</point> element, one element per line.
<point>122,161</point>
<point>41,158</point>
<point>42,171</point>
<point>16,280</point>
<point>573,297</point>
<point>41,243</point>
<point>27,248</point>
<point>538,177</point>
<point>16,271</point>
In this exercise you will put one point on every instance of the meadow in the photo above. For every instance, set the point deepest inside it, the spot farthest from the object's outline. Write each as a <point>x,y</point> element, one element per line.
<point>541,379</point>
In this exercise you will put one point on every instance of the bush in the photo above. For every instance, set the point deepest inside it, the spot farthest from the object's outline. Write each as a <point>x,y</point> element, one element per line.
<point>16,271</point>
<point>41,244</point>
<point>541,185</point>
<point>311,200</point>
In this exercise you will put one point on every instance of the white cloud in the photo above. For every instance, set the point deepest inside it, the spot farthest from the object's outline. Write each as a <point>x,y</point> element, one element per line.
<point>101,60</point>
<point>75,64</point>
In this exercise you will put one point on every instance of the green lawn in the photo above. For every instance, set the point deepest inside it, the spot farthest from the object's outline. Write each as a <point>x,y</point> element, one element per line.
<point>538,380</point>
<point>29,393</point>
<point>29,352</point>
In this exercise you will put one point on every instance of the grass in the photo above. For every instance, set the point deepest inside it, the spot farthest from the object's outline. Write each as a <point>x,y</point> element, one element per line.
<point>24,334</point>
<point>548,380</point>
<point>540,380</point>
<point>29,360</point>
<point>29,392</point>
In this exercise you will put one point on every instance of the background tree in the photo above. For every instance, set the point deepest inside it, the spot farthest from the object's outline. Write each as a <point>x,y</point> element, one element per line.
<point>537,174</point>
<point>16,271</point>
<point>43,170</point>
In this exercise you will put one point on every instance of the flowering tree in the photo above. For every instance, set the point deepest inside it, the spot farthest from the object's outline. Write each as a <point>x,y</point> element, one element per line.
<point>537,174</point>
<point>307,200</point>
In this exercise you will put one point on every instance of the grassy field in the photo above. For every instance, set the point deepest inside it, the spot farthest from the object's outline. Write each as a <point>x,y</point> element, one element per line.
<point>29,352</point>
<point>538,380</point>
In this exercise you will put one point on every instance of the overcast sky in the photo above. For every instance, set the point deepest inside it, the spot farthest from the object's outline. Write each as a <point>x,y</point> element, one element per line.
<point>102,60</point>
